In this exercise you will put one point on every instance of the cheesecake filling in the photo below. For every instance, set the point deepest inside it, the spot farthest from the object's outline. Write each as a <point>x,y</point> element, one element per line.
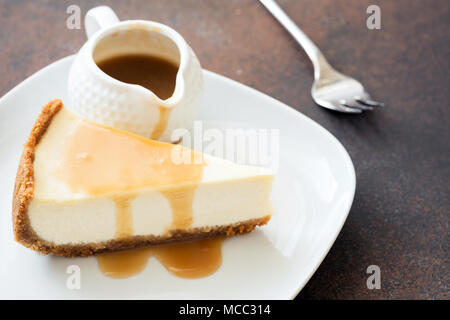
<point>95,183</point>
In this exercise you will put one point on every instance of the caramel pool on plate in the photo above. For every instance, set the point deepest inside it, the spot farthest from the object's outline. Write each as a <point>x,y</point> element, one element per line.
<point>195,259</point>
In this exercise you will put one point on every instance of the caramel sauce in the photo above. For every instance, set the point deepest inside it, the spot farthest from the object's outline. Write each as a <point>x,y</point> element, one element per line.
<point>124,216</point>
<point>99,160</point>
<point>161,126</point>
<point>194,259</point>
<point>154,73</point>
<point>180,200</point>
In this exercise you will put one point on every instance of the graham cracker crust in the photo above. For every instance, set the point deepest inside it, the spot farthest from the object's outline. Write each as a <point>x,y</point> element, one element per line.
<point>24,191</point>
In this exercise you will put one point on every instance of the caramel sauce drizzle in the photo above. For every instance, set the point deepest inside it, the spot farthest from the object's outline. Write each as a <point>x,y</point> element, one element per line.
<point>181,200</point>
<point>161,126</point>
<point>124,216</point>
<point>100,160</point>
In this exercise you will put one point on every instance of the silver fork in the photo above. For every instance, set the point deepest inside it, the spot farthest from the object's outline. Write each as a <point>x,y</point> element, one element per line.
<point>331,89</point>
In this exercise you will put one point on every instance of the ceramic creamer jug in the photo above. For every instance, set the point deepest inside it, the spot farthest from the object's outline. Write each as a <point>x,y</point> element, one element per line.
<point>103,99</point>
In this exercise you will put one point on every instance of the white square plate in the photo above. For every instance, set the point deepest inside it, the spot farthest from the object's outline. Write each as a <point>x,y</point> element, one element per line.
<point>313,193</point>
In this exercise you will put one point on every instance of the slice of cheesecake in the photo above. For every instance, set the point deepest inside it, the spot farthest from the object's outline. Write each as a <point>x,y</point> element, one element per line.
<point>82,188</point>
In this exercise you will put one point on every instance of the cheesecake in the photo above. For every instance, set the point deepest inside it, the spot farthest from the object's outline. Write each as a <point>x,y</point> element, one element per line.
<point>83,188</point>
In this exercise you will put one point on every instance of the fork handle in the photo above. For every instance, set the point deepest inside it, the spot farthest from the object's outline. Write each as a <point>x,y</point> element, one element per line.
<point>318,60</point>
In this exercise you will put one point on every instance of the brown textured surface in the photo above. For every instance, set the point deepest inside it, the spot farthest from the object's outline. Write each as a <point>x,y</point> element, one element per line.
<point>400,216</point>
<point>24,192</point>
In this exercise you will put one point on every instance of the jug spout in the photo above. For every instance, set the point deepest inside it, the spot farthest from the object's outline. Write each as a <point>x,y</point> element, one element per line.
<point>185,101</point>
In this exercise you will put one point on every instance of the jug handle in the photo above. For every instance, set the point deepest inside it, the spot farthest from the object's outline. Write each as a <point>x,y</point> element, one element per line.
<point>98,18</point>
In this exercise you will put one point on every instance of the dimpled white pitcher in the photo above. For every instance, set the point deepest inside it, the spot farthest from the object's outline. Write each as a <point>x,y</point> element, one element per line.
<point>100,98</point>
